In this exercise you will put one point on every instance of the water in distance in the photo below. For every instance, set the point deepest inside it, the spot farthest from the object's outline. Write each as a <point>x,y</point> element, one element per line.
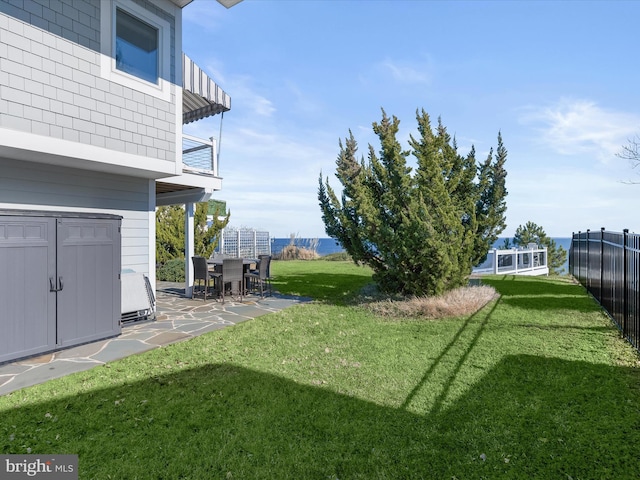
<point>325,246</point>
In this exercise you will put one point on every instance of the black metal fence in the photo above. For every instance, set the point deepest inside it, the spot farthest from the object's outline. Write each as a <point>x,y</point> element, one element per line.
<point>607,264</point>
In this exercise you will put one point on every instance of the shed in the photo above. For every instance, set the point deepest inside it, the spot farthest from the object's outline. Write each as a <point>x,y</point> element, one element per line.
<point>59,280</point>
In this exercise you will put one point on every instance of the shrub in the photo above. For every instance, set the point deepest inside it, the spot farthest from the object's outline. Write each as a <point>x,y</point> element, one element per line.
<point>293,252</point>
<point>171,271</point>
<point>338,257</point>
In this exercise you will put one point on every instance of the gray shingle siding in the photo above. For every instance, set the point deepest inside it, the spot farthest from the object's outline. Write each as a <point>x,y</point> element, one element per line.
<point>69,189</point>
<point>50,63</point>
<point>75,21</point>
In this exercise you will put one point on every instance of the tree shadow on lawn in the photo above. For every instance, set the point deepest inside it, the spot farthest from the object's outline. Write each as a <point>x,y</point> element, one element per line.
<point>529,417</point>
<point>543,293</point>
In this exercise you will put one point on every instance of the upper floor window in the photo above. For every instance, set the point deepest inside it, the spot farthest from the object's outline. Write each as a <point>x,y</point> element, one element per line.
<point>136,47</point>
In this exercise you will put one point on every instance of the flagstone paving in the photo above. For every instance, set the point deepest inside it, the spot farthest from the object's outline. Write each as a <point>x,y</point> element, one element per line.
<point>177,319</point>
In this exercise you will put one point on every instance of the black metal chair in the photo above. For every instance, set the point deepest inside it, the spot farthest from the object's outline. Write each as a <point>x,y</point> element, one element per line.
<point>261,276</point>
<point>201,274</point>
<point>232,274</point>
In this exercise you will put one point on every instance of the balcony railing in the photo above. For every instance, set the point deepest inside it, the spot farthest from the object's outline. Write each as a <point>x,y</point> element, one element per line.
<point>199,156</point>
<point>517,261</point>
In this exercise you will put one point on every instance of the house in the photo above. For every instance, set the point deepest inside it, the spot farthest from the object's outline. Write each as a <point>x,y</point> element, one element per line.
<point>93,97</point>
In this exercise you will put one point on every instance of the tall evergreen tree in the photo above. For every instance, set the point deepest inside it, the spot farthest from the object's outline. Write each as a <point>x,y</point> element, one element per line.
<point>491,205</point>
<point>170,235</point>
<point>444,189</point>
<point>206,236</point>
<point>416,229</point>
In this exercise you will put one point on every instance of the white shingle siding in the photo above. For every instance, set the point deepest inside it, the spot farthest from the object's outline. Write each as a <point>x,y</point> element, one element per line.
<point>49,53</point>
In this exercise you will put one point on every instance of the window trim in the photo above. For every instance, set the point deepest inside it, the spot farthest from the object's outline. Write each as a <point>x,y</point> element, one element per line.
<point>108,68</point>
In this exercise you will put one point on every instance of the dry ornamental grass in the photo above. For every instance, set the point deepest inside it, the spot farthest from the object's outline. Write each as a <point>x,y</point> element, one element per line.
<point>455,303</point>
<point>293,252</point>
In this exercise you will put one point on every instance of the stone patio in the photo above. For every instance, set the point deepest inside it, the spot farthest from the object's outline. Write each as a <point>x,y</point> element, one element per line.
<point>177,319</point>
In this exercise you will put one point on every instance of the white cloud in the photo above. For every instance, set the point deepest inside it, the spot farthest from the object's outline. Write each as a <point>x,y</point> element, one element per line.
<point>277,212</point>
<point>301,102</point>
<point>581,127</point>
<point>244,97</point>
<point>262,106</point>
<point>270,175</point>
<point>269,165</point>
<point>240,88</point>
<point>213,68</point>
<point>407,72</point>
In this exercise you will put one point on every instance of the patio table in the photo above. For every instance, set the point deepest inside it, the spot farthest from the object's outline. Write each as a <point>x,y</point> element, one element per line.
<point>215,265</point>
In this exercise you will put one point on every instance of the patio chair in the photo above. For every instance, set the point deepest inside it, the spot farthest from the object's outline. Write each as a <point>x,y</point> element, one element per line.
<point>201,274</point>
<point>232,274</point>
<point>260,277</point>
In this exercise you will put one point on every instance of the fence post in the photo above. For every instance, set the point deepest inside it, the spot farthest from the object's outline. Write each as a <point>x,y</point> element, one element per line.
<point>625,294</point>
<point>571,250</point>
<point>588,279</point>
<point>601,263</point>
<point>579,257</point>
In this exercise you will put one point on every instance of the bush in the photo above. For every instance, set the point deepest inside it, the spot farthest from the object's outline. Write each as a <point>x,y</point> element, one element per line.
<point>337,257</point>
<point>171,271</point>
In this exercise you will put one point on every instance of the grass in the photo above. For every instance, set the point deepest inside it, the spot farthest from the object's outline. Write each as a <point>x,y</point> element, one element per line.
<point>335,282</point>
<point>537,384</point>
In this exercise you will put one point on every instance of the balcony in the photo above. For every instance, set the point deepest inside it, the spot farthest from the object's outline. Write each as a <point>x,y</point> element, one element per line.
<point>530,260</point>
<point>199,156</point>
<point>199,178</point>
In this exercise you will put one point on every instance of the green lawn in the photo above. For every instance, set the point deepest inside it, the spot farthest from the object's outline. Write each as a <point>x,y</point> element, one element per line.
<point>538,384</point>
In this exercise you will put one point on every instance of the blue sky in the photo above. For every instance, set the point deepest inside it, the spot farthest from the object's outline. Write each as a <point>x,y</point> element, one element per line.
<point>560,80</point>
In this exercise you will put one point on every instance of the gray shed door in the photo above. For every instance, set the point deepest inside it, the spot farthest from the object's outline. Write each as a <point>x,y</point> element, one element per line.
<point>27,306</point>
<point>59,283</point>
<point>88,263</point>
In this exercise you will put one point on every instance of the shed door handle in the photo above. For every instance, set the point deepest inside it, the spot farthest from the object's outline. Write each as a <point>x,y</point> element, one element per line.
<point>52,287</point>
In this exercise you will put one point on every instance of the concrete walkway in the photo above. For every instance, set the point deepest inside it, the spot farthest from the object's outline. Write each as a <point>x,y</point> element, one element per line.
<point>178,318</point>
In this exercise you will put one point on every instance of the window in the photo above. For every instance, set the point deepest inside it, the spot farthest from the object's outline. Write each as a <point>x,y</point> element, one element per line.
<point>136,47</point>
